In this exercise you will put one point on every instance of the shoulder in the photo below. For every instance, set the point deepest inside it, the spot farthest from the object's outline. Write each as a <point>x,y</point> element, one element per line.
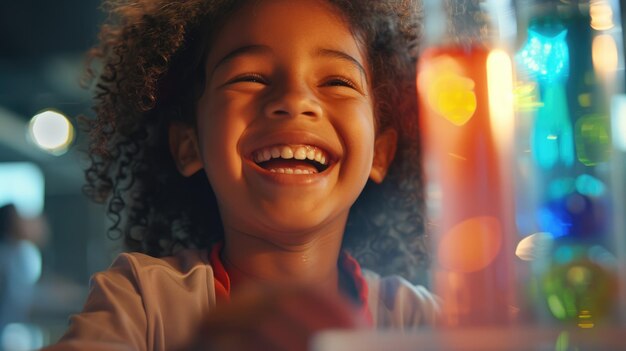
<point>396,303</point>
<point>145,301</point>
<point>185,261</point>
<point>142,273</point>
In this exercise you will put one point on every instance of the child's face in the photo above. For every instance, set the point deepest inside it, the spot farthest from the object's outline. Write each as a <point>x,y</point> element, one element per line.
<point>286,77</point>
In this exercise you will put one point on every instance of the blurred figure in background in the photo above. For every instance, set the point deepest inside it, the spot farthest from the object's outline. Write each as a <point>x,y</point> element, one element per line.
<point>20,269</point>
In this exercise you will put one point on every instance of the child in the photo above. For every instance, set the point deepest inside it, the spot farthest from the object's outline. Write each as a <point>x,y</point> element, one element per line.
<point>232,141</point>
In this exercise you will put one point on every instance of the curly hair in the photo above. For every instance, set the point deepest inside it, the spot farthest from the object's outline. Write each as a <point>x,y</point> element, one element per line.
<point>149,72</point>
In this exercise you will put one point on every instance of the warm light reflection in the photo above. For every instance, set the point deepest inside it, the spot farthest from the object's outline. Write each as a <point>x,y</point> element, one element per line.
<point>51,131</point>
<point>601,15</point>
<point>463,156</point>
<point>579,276</point>
<point>526,97</point>
<point>534,246</point>
<point>500,90</point>
<point>471,245</point>
<point>585,320</point>
<point>448,92</point>
<point>604,55</point>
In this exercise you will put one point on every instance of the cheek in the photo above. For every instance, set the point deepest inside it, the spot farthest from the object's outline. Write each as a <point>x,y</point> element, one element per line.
<point>220,130</point>
<point>357,134</point>
<point>360,135</point>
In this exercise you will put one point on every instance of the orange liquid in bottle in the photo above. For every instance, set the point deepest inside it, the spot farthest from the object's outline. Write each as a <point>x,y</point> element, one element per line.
<point>469,195</point>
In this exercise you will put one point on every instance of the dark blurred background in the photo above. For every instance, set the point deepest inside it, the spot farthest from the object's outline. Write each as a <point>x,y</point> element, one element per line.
<point>42,47</point>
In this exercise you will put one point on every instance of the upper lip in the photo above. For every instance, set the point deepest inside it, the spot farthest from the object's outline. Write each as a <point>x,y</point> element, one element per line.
<point>292,137</point>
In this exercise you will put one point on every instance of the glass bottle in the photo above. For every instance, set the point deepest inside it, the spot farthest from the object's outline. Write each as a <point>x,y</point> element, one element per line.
<point>465,94</point>
<point>567,76</point>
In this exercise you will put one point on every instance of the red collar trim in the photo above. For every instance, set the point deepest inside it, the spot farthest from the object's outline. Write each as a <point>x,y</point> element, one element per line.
<point>222,280</point>
<point>347,263</point>
<point>350,265</point>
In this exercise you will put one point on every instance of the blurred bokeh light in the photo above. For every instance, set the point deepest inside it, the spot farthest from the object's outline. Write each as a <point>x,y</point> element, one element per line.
<point>51,131</point>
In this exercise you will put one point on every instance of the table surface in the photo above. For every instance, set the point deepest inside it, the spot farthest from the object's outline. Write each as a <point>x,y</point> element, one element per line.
<point>527,338</point>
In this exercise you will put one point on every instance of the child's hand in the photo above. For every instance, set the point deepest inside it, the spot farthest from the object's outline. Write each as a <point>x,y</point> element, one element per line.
<point>276,319</point>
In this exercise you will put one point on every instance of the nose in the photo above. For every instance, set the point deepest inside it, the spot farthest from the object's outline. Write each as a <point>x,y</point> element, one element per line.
<point>292,101</point>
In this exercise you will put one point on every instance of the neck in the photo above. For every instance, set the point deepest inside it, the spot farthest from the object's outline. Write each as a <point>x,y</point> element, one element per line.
<point>252,259</point>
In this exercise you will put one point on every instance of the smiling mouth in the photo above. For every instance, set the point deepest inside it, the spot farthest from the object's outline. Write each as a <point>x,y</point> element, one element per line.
<point>292,159</point>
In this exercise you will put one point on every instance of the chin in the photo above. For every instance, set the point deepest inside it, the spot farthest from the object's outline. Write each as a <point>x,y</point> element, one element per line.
<point>303,223</point>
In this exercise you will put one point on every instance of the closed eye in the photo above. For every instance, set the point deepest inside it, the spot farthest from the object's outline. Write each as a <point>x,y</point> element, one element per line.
<point>341,81</point>
<point>248,78</point>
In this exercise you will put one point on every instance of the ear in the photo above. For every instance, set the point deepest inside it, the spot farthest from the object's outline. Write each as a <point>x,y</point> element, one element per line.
<point>184,148</point>
<point>384,152</point>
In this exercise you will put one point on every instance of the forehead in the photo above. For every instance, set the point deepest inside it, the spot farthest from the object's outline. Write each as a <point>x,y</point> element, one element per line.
<point>288,25</point>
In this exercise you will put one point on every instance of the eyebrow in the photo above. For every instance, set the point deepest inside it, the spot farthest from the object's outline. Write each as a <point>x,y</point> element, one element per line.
<point>244,50</point>
<point>322,52</point>
<point>342,56</point>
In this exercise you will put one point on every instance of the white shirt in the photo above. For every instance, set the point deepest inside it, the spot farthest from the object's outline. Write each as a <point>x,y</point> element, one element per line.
<point>147,303</point>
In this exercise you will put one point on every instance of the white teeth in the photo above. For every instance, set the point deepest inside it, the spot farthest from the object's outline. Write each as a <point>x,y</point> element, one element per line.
<point>262,156</point>
<point>267,155</point>
<point>318,156</point>
<point>291,171</point>
<point>275,152</point>
<point>300,153</point>
<point>286,153</point>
